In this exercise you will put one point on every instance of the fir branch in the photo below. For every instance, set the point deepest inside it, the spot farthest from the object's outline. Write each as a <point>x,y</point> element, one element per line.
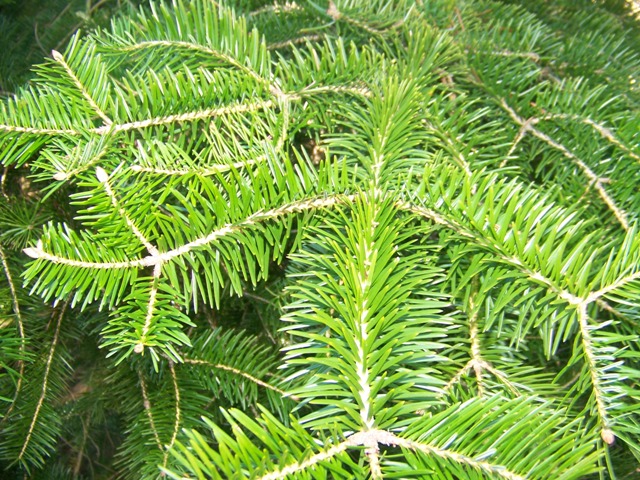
<point>115,128</point>
<point>295,41</point>
<point>176,426</point>
<point>204,171</point>
<point>183,117</point>
<point>39,131</point>
<point>594,180</point>
<point>276,8</point>
<point>607,307</point>
<point>58,57</point>
<point>590,361</point>
<point>383,437</point>
<point>336,15</point>
<point>240,373</point>
<point>310,90</point>
<point>476,360</point>
<point>20,324</point>
<point>373,456</point>
<point>617,284</point>
<point>310,462</point>
<point>514,144</point>
<point>490,468</point>
<point>39,253</point>
<point>451,144</point>
<point>103,177</point>
<point>45,381</point>
<point>361,317</point>
<point>533,56</point>
<point>451,223</point>
<point>95,158</point>
<point>408,278</point>
<point>3,183</point>
<point>605,132</point>
<point>151,305</point>
<point>146,403</point>
<point>194,47</point>
<point>81,451</point>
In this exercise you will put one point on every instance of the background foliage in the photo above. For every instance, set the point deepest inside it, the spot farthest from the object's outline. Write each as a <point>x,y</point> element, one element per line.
<point>322,240</point>
<point>30,29</point>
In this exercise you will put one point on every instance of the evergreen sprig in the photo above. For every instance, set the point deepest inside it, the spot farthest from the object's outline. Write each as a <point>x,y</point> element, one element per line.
<point>346,239</point>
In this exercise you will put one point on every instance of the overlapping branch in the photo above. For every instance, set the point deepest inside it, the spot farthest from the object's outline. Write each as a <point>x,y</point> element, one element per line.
<point>45,381</point>
<point>527,126</point>
<point>20,325</point>
<point>241,373</point>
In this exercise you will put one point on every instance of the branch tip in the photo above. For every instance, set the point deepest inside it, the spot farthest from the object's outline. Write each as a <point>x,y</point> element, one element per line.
<point>333,11</point>
<point>34,252</point>
<point>31,252</point>
<point>102,175</point>
<point>608,436</point>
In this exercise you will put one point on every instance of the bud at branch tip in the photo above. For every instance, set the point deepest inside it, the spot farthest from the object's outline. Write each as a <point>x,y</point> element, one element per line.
<point>102,176</point>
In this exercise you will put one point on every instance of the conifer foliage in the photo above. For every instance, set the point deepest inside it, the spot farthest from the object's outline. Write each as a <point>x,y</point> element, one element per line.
<point>344,239</point>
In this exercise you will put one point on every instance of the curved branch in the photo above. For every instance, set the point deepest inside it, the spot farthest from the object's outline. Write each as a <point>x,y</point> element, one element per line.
<point>206,50</point>
<point>147,407</point>
<point>176,426</point>
<point>45,382</point>
<point>16,310</point>
<point>596,181</point>
<point>241,373</point>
